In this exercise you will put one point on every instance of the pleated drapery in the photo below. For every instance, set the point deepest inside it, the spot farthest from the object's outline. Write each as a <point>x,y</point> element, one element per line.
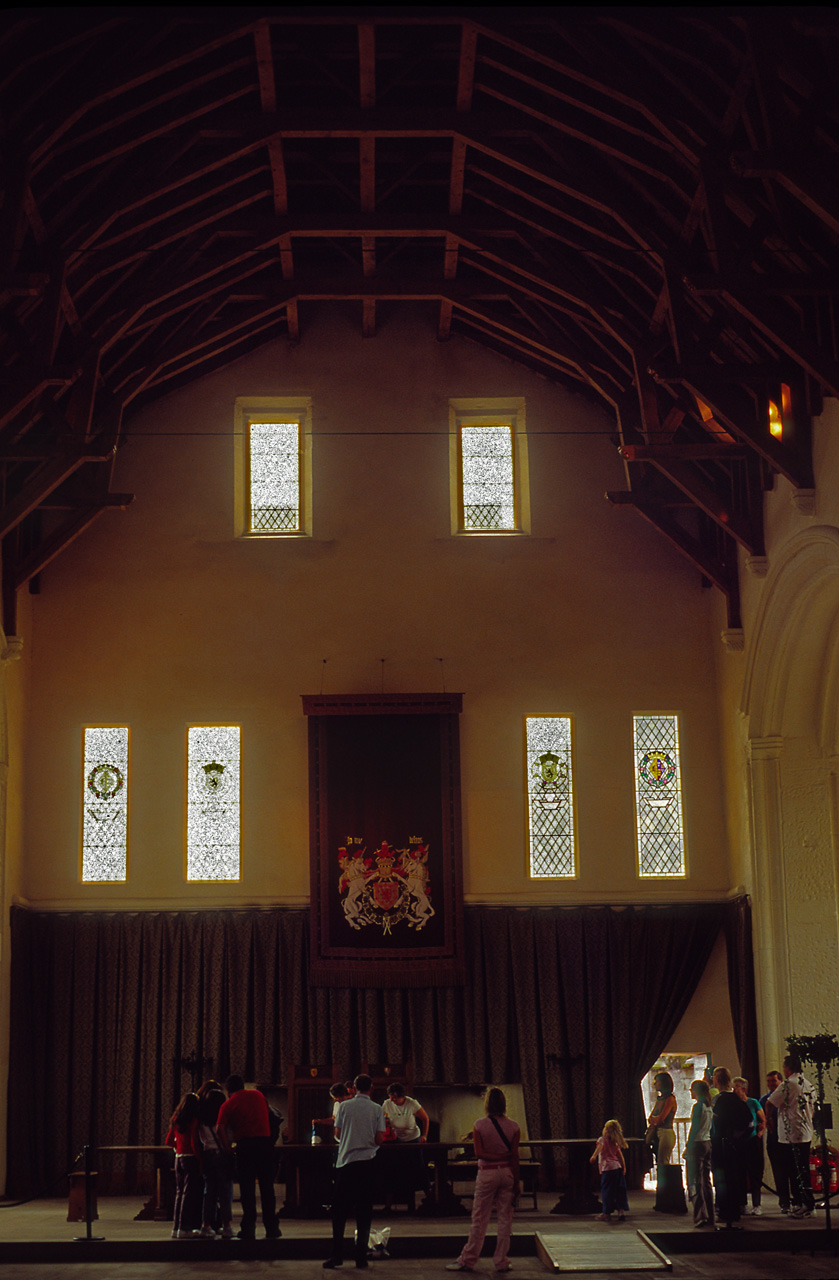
<point>573,1003</point>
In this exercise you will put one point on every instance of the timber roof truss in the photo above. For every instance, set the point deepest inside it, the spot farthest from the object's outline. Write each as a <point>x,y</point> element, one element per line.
<point>642,209</point>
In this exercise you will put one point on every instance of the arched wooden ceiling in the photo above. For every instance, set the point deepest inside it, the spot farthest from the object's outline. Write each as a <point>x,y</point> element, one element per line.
<point>639,205</point>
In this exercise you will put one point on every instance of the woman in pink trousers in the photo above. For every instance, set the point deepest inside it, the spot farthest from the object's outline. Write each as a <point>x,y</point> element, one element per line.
<point>497,1149</point>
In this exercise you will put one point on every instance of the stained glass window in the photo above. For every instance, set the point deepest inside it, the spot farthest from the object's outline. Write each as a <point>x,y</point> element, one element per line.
<point>487,477</point>
<point>274,454</point>
<point>549,796</point>
<point>212,838</point>
<point>105,804</point>
<point>658,796</point>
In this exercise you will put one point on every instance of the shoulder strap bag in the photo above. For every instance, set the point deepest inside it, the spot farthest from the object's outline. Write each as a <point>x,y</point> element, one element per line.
<point>502,1135</point>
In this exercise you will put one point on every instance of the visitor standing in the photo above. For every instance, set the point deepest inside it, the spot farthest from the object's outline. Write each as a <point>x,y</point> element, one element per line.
<point>243,1120</point>
<point>612,1168</point>
<point>774,1150</point>
<point>698,1154</point>
<point>360,1131</point>
<point>496,1140</point>
<point>729,1138</point>
<point>795,1099</point>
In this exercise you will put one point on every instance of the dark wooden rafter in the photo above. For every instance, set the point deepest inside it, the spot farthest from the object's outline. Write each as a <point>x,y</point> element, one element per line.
<point>367,164</point>
<point>722,573</point>
<point>268,101</point>
<point>641,211</point>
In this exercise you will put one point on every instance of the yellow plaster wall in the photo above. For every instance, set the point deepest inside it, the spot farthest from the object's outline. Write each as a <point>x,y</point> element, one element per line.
<point>158,617</point>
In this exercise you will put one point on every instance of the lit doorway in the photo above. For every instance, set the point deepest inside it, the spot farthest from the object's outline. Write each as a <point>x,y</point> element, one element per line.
<point>684,1068</point>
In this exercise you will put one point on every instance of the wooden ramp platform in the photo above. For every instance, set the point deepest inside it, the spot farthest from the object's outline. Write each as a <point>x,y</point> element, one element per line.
<point>610,1250</point>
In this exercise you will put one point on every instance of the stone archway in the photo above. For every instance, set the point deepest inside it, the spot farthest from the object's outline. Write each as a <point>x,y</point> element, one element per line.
<point>791,704</point>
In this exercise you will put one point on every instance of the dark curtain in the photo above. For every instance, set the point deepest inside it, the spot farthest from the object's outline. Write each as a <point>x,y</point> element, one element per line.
<point>573,1003</point>
<point>741,989</point>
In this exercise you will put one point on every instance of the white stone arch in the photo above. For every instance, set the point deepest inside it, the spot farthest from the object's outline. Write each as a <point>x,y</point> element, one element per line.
<point>790,702</point>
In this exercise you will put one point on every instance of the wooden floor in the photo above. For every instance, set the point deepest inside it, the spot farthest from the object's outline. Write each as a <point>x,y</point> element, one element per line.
<point>37,1243</point>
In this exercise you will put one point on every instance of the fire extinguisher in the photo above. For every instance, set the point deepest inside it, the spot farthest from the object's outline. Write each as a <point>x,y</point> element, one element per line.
<point>816,1172</point>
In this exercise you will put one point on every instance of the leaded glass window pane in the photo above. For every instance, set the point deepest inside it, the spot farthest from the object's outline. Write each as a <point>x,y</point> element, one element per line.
<point>274,477</point>
<point>550,796</point>
<point>212,839</point>
<point>487,475</point>
<point>105,804</point>
<point>658,796</point>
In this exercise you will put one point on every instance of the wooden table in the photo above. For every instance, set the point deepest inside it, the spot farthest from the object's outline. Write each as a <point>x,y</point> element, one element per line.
<point>466,1171</point>
<point>578,1199</point>
<point>307,1170</point>
<point>305,1165</point>
<point>159,1206</point>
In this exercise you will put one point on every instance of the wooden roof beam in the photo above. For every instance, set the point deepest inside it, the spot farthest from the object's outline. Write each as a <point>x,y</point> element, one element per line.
<point>367,64</point>
<point>79,411</point>
<point>769,319</point>
<point>456,176</point>
<point>23,284</point>
<point>155,102</point>
<point>210,356</point>
<point>555,296</point>
<point>488,145</point>
<point>735,410</point>
<point>656,515</point>
<point>367,181</point>
<point>13,220</point>
<point>556,346</point>
<point>44,482</point>
<point>810,182</point>
<point>444,322</point>
<point>613,122</point>
<point>293,321</point>
<point>464,298</point>
<point>466,66</point>
<point>24,385</point>
<point>563,280</point>
<point>710,452</point>
<point>609,91</point>
<point>538,361</point>
<point>187,224</point>
<point>149,306</point>
<point>192,340</point>
<point>127,84</point>
<point>265,67</point>
<point>172,123</point>
<point>67,532</point>
<point>689,481</point>
<point>268,101</point>
<point>592,141</point>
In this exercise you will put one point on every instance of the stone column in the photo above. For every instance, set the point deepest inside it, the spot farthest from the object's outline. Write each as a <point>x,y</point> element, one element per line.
<point>771,937</point>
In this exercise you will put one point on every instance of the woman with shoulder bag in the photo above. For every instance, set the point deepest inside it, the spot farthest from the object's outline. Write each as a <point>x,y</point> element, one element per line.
<point>496,1139</point>
<point>661,1135</point>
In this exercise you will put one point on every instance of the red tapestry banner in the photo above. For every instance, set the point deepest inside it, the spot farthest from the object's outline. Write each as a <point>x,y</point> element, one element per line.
<point>385,840</point>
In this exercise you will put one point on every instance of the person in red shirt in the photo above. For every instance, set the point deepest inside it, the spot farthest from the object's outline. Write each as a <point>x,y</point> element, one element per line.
<point>243,1124</point>
<point>189,1180</point>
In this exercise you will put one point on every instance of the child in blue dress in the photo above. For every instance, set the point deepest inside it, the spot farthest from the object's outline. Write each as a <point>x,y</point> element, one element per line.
<point>609,1156</point>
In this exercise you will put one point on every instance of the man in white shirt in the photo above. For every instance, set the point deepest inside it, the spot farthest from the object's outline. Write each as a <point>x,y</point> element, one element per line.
<point>795,1099</point>
<point>360,1131</point>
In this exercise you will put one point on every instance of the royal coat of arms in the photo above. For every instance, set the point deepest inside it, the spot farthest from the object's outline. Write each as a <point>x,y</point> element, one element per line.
<point>387,889</point>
